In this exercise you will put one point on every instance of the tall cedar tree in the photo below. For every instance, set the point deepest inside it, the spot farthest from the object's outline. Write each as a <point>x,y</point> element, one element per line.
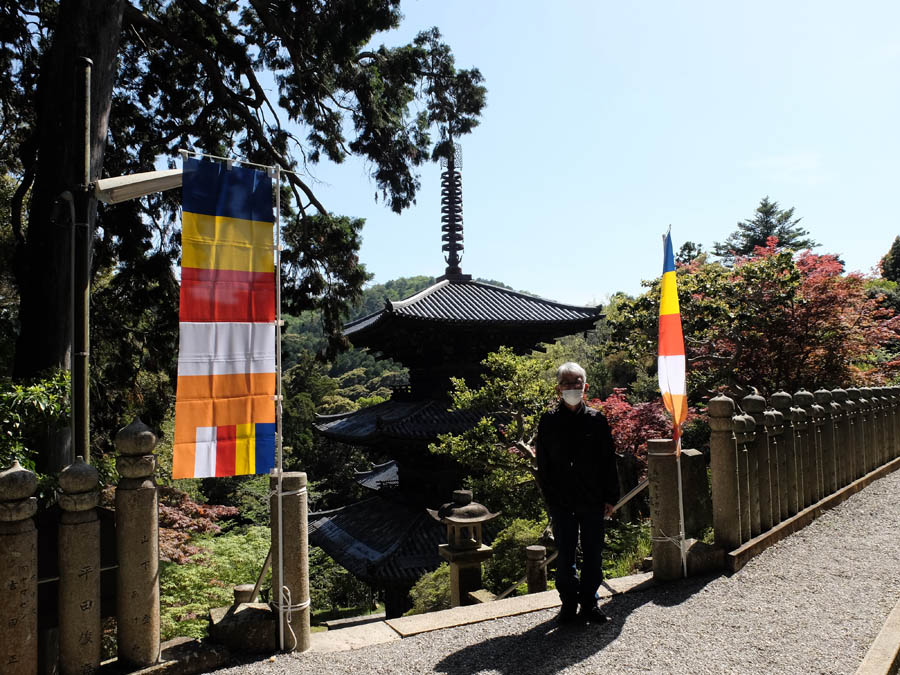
<point>769,221</point>
<point>169,75</point>
<point>890,263</point>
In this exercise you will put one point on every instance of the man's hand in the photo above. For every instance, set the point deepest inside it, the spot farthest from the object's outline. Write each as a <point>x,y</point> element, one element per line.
<point>608,510</point>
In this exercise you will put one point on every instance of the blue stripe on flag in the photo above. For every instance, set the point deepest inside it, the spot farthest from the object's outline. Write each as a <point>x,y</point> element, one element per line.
<point>211,188</point>
<point>265,447</point>
<point>668,256</point>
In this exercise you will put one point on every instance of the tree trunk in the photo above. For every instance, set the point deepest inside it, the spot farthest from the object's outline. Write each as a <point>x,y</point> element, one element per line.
<point>88,28</point>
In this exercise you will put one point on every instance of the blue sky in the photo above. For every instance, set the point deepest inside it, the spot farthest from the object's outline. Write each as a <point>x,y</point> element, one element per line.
<point>607,122</point>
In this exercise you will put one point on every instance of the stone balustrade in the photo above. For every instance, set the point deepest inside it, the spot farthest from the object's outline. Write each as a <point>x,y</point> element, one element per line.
<point>771,459</point>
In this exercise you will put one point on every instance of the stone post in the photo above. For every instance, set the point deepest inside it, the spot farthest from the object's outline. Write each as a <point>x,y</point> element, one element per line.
<point>295,555</point>
<point>818,420</point>
<point>875,419</point>
<point>883,424</point>
<point>79,570</point>
<point>744,433</point>
<point>664,512</point>
<point>895,421</point>
<point>774,421</point>
<point>18,572</point>
<point>842,442</point>
<point>535,569</point>
<point>801,423</point>
<point>784,437</point>
<point>723,468</point>
<point>890,405</point>
<point>857,441</point>
<point>806,400</point>
<point>762,497</point>
<point>137,547</point>
<point>865,423</point>
<point>829,441</point>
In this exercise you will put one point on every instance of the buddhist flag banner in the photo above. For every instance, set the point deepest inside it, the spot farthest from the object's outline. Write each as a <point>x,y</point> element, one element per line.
<point>225,398</point>
<point>671,343</point>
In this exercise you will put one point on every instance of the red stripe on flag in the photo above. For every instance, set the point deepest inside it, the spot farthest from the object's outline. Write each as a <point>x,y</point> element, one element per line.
<point>671,340</point>
<point>226,440</point>
<point>226,295</point>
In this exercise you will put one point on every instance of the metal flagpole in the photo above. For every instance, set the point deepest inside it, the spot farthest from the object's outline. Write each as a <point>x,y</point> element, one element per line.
<point>278,407</point>
<point>681,541</point>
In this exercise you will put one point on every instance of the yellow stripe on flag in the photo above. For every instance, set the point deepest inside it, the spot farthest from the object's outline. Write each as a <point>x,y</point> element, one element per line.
<point>245,450</point>
<point>216,242</point>
<point>669,295</point>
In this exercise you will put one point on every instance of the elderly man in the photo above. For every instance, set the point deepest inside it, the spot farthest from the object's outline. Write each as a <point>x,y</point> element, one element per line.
<point>577,475</point>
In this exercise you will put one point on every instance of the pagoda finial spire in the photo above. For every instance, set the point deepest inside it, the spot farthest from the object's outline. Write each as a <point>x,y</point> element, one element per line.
<point>451,212</point>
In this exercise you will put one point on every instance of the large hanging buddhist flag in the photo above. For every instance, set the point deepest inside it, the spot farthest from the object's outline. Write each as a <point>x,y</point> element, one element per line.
<point>224,405</point>
<point>671,343</point>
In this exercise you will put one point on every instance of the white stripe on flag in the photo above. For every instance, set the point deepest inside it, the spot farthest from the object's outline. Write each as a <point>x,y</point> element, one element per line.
<point>220,348</point>
<point>671,375</point>
<point>205,453</point>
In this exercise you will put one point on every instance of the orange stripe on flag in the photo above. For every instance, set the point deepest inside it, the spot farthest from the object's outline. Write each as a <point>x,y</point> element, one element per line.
<point>671,340</point>
<point>676,405</point>
<point>221,412</point>
<point>193,387</point>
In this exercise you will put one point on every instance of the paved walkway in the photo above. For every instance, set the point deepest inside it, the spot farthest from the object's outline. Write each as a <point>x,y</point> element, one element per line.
<point>812,603</point>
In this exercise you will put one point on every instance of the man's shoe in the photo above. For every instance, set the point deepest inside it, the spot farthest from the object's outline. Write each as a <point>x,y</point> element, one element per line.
<point>568,614</point>
<point>592,614</point>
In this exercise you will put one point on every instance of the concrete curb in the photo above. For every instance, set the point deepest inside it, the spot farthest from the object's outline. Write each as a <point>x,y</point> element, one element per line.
<point>395,629</point>
<point>883,657</point>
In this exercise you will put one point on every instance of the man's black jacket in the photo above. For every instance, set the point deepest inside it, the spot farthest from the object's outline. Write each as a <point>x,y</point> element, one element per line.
<point>576,459</point>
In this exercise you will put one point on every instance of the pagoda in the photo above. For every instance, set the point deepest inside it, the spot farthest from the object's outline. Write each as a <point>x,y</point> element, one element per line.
<point>444,331</point>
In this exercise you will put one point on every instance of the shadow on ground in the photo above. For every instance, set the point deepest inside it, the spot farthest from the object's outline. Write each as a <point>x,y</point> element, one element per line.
<point>549,648</point>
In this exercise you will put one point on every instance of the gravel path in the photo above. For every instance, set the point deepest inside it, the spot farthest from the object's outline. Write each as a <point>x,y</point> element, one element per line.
<point>812,603</point>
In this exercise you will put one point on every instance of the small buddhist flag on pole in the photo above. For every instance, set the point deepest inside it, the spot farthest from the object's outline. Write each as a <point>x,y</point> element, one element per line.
<point>672,369</point>
<point>671,366</point>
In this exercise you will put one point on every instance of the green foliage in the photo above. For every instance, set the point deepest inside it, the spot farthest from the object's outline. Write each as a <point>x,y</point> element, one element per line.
<point>627,544</point>
<point>374,297</point>
<point>332,587</point>
<point>170,75</point>
<point>890,263</point>
<point>507,565</point>
<point>188,591</point>
<point>773,320</point>
<point>499,451</point>
<point>30,415</point>
<point>769,221</point>
<point>431,592</point>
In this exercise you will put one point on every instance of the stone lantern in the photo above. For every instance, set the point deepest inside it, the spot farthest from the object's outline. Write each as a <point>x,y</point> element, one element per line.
<point>465,550</point>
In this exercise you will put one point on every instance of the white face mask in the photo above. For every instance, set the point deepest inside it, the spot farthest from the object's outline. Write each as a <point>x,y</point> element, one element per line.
<point>572,396</point>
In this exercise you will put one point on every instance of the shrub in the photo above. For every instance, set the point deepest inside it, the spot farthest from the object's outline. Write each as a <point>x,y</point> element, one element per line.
<point>507,565</point>
<point>29,414</point>
<point>432,591</point>
<point>627,544</point>
<point>188,591</point>
<point>332,587</point>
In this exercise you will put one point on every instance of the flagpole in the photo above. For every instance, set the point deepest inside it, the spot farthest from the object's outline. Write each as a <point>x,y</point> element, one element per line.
<point>278,408</point>
<point>681,542</point>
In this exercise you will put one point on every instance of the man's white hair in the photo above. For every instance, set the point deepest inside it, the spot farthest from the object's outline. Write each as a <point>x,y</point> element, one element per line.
<point>570,368</point>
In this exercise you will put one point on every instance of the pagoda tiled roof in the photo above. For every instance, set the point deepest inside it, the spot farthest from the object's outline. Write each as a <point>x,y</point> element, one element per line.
<point>403,420</point>
<point>464,301</point>
<point>379,541</point>
<point>380,476</point>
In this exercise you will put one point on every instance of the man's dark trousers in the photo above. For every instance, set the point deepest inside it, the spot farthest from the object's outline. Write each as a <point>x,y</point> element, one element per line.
<point>566,526</point>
